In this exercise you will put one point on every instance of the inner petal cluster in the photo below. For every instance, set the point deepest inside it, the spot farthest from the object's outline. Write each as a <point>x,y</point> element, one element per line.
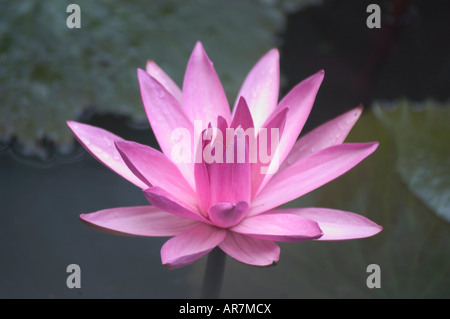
<point>223,185</point>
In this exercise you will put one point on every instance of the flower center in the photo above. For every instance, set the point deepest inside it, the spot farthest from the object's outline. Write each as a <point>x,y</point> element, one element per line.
<point>227,215</point>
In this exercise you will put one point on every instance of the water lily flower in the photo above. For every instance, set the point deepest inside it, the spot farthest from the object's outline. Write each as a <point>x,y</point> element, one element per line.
<point>234,206</point>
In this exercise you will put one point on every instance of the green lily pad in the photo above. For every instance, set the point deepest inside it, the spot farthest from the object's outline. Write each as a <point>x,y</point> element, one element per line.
<point>420,133</point>
<point>51,73</point>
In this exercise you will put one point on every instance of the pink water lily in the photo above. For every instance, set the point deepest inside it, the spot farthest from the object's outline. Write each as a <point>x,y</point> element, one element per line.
<point>230,205</point>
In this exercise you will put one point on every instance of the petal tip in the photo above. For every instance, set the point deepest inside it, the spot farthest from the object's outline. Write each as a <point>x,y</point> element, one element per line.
<point>142,73</point>
<point>374,145</point>
<point>199,55</point>
<point>73,125</point>
<point>199,49</point>
<point>321,75</point>
<point>357,111</point>
<point>85,218</point>
<point>199,44</point>
<point>149,66</point>
<point>380,229</point>
<point>275,53</point>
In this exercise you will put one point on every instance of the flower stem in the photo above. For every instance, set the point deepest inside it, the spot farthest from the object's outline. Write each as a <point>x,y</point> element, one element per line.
<point>212,281</point>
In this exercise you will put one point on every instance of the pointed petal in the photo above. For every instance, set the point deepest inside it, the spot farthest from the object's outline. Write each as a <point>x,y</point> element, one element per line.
<point>160,198</point>
<point>336,224</point>
<point>203,95</point>
<point>279,227</point>
<point>191,245</point>
<point>137,221</point>
<point>155,169</point>
<point>226,214</point>
<point>268,150</point>
<point>260,88</point>
<point>201,176</point>
<point>331,133</point>
<point>310,173</point>
<point>222,125</point>
<point>242,116</point>
<point>299,101</point>
<point>159,75</point>
<point>100,144</point>
<point>166,116</point>
<point>202,186</point>
<point>252,251</point>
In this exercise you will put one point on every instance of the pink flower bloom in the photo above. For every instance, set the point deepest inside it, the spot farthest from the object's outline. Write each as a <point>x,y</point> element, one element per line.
<point>231,205</point>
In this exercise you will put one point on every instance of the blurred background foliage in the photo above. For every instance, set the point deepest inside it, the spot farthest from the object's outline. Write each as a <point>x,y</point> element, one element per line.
<point>50,74</point>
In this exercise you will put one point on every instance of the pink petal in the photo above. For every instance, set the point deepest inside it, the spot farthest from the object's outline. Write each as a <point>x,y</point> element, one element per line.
<point>165,115</point>
<point>336,224</point>
<point>100,144</point>
<point>203,95</point>
<point>155,169</point>
<point>242,116</point>
<point>230,180</point>
<point>331,133</point>
<point>260,88</point>
<point>222,125</point>
<point>191,245</point>
<point>202,186</point>
<point>252,251</point>
<point>220,179</point>
<point>263,168</point>
<point>310,173</point>
<point>137,221</point>
<point>159,75</point>
<point>160,198</point>
<point>299,101</point>
<point>226,214</point>
<point>279,227</point>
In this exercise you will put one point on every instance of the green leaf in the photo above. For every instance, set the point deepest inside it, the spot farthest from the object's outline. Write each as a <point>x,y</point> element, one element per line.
<point>420,133</point>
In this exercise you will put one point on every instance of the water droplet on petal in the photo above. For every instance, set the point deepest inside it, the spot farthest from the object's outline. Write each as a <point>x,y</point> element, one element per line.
<point>96,150</point>
<point>116,155</point>
<point>108,142</point>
